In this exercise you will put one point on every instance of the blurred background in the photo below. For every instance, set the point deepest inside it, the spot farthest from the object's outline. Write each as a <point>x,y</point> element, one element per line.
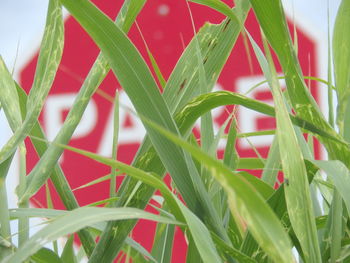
<point>21,27</point>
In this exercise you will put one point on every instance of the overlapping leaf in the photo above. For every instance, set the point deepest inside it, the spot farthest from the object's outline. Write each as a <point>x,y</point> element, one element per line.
<point>73,221</point>
<point>48,61</point>
<point>303,103</point>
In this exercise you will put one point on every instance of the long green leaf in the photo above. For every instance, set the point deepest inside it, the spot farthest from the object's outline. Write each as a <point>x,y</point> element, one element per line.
<point>140,249</point>
<point>5,230</point>
<point>68,251</point>
<point>9,98</point>
<point>341,59</point>
<point>297,191</point>
<point>163,242</point>
<point>333,230</point>
<point>113,181</point>
<point>10,104</point>
<point>36,212</point>
<point>329,73</point>
<point>46,255</point>
<point>273,164</point>
<point>75,220</point>
<point>188,116</point>
<point>231,155</point>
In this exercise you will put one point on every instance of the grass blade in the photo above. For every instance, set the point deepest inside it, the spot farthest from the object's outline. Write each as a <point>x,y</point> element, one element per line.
<point>303,103</point>
<point>113,179</point>
<point>329,73</point>
<point>68,251</point>
<point>36,212</point>
<point>5,230</point>
<point>297,189</point>
<point>341,59</point>
<point>163,242</point>
<point>46,255</point>
<point>9,98</point>
<point>140,249</point>
<point>272,165</point>
<point>153,61</point>
<point>231,155</point>
<point>333,231</point>
<point>297,192</point>
<point>75,220</point>
<point>10,104</point>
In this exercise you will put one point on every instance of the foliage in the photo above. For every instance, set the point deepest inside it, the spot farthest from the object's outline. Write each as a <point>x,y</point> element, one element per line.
<point>227,215</point>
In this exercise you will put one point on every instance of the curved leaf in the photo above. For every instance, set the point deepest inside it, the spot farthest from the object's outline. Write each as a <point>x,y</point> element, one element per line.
<point>9,98</point>
<point>77,219</point>
<point>341,58</point>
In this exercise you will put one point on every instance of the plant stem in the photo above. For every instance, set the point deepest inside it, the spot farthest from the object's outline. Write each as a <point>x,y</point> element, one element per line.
<point>23,222</point>
<point>5,230</point>
<point>49,205</point>
<point>113,181</point>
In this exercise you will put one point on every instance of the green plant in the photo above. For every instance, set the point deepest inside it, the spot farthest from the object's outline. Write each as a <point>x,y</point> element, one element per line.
<point>229,216</point>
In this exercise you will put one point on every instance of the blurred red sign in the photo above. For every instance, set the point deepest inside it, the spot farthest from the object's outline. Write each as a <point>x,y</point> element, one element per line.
<point>167,29</point>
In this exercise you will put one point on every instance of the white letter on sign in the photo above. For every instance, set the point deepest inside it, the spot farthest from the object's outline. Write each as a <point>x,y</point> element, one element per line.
<point>54,114</point>
<point>131,128</point>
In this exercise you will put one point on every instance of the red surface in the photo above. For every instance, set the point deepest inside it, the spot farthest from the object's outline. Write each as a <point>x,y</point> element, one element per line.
<point>164,36</point>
